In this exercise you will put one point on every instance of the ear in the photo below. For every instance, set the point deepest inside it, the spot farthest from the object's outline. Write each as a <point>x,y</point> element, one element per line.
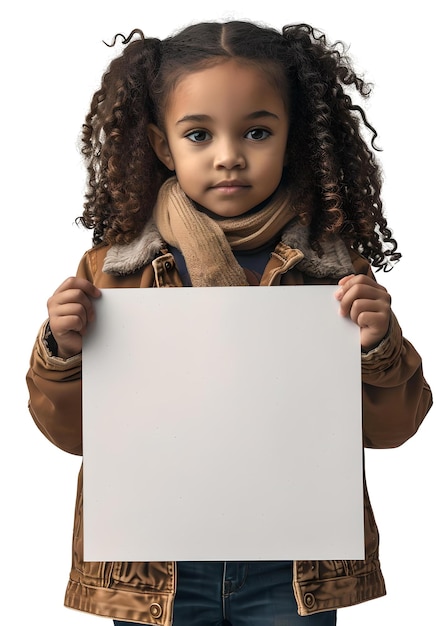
<point>159,143</point>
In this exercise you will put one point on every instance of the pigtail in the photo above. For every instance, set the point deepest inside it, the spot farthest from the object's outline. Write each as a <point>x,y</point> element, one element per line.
<point>330,150</point>
<point>123,172</point>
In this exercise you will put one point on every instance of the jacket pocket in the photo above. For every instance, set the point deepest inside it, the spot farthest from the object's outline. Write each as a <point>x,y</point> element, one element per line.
<point>153,576</point>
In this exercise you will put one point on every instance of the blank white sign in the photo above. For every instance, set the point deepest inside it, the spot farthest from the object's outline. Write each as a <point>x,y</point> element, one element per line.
<point>222,423</point>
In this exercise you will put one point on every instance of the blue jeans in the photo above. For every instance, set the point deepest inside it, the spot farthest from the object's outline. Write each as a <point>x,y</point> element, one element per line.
<point>257,593</point>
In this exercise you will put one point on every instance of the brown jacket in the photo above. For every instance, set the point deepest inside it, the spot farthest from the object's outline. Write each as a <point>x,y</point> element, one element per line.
<point>396,398</point>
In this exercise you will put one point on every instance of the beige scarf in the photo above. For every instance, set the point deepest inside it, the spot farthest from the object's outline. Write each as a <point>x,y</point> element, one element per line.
<point>207,244</point>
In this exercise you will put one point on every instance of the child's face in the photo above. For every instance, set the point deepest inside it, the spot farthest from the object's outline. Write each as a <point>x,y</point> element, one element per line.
<point>226,129</point>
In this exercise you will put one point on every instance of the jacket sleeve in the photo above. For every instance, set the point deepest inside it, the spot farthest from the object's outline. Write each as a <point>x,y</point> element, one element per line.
<point>396,396</point>
<point>55,393</point>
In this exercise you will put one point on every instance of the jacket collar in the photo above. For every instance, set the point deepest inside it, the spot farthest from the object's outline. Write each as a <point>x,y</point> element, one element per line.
<point>335,262</point>
<point>124,259</point>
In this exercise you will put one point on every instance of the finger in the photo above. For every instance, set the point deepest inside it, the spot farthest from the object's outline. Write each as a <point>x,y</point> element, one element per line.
<point>72,316</point>
<point>356,280</point>
<point>72,298</point>
<point>373,328</point>
<point>374,320</point>
<point>372,317</point>
<point>345,279</point>
<point>366,293</point>
<point>65,301</point>
<point>360,300</point>
<point>84,285</point>
<point>378,317</point>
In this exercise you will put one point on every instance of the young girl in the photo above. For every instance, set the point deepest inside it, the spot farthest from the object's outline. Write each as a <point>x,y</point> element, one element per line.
<point>230,154</point>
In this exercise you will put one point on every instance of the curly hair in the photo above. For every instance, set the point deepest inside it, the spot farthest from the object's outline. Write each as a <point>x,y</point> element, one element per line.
<point>331,170</point>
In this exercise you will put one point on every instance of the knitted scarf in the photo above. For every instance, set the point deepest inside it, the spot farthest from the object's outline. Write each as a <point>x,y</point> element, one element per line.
<point>207,244</point>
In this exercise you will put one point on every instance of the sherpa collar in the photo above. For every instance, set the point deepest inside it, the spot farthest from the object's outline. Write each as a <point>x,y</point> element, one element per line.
<point>124,259</point>
<point>335,262</point>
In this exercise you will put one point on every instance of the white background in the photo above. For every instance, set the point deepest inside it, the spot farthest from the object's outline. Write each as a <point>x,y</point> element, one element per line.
<point>52,60</point>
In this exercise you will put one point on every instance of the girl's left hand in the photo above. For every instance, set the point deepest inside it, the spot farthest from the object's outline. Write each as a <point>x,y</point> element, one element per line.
<point>368,304</point>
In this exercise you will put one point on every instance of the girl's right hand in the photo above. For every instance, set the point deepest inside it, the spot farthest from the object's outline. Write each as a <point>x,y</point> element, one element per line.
<point>70,311</point>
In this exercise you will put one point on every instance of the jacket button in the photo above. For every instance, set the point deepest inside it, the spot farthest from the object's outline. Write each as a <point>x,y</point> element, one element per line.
<point>309,599</point>
<point>155,610</point>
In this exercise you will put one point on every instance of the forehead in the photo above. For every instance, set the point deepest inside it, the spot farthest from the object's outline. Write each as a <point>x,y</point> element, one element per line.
<point>230,86</point>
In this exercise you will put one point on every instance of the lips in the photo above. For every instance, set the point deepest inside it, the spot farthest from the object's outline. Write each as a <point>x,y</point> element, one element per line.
<point>230,183</point>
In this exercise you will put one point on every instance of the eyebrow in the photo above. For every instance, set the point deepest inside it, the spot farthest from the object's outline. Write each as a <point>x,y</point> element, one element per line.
<point>200,117</point>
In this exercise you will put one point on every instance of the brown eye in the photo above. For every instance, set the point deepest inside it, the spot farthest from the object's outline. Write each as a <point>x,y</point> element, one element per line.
<point>198,136</point>
<point>257,134</point>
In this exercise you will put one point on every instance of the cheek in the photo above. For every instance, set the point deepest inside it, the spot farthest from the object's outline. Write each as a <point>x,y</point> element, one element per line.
<point>272,167</point>
<point>187,178</point>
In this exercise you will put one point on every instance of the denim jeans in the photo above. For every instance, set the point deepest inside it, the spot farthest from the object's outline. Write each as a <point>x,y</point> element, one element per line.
<point>257,593</point>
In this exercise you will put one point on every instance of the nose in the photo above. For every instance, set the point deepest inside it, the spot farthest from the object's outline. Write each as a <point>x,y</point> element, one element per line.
<point>229,155</point>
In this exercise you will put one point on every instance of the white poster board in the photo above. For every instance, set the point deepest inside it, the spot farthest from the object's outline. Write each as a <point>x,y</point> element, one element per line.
<point>222,424</point>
